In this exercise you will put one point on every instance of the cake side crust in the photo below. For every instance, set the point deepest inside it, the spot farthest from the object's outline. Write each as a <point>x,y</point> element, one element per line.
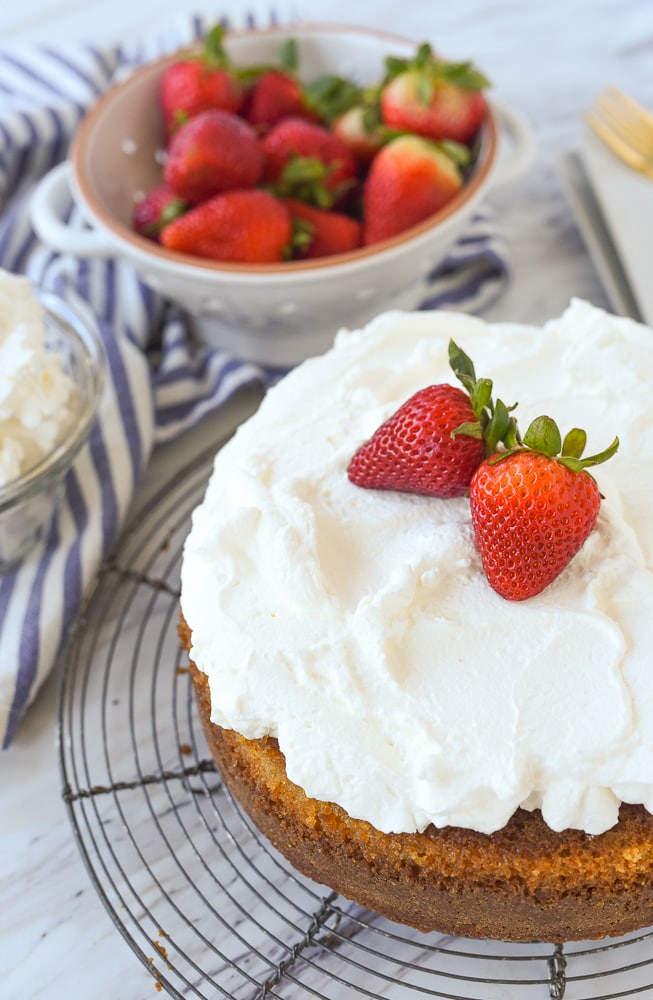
<point>522,883</point>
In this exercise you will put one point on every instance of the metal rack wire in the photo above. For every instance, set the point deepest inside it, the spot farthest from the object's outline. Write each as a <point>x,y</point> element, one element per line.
<point>205,903</point>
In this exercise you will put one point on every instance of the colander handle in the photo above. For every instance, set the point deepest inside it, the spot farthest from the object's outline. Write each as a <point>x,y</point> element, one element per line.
<point>49,205</point>
<point>520,154</point>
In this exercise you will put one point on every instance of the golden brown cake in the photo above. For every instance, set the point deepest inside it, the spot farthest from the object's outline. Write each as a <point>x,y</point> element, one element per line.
<point>452,760</point>
<point>523,883</point>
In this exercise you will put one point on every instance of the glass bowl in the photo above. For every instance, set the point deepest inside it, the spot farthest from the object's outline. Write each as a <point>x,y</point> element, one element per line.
<point>28,504</point>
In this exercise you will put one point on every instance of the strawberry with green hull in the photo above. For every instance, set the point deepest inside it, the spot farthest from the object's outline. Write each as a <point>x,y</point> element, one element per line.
<point>275,96</point>
<point>321,234</point>
<point>275,93</point>
<point>436,440</point>
<point>249,227</point>
<point>409,180</point>
<point>200,81</point>
<point>295,138</point>
<point>437,99</point>
<point>159,207</point>
<point>214,152</point>
<point>360,133</point>
<point>533,507</point>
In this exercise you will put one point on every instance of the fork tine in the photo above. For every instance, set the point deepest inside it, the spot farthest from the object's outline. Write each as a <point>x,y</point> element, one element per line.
<point>619,147</point>
<point>628,131</point>
<point>622,111</point>
<point>631,128</point>
<point>637,110</point>
<point>619,110</point>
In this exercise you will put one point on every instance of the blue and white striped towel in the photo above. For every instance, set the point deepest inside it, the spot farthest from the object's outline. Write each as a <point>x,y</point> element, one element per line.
<point>159,384</point>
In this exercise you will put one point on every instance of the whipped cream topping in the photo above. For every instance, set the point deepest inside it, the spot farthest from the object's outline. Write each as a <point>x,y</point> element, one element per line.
<point>358,628</point>
<point>37,397</point>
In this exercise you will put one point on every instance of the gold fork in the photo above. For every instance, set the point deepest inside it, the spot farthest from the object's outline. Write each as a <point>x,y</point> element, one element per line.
<point>625,127</point>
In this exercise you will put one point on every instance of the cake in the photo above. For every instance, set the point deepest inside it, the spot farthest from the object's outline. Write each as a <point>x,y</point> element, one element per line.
<point>401,733</point>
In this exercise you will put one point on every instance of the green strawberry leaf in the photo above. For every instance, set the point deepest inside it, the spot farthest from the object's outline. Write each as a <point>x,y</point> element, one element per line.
<point>213,51</point>
<point>576,464</point>
<point>456,151</point>
<point>330,96</point>
<point>302,235</point>
<point>425,88</point>
<point>574,443</point>
<point>423,56</point>
<point>394,65</point>
<point>481,395</point>
<point>470,429</point>
<point>502,427</point>
<point>289,56</point>
<point>304,178</point>
<point>543,435</point>
<point>463,75</point>
<point>495,423</point>
<point>462,364</point>
<point>172,211</point>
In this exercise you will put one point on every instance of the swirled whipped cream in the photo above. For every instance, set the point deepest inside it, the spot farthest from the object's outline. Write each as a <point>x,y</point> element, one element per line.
<point>37,397</point>
<point>358,628</point>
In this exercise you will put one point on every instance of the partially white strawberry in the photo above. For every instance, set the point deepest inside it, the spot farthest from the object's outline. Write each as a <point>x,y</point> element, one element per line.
<point>434,98</point>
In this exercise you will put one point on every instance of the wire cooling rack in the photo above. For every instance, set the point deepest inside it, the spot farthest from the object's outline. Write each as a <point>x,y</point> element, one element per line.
<point>203,900</point>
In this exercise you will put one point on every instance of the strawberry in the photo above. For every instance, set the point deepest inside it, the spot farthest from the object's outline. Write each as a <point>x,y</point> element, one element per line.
<point>533,507</point>
<point>321,234</point>
<point>275,91</point>
<point>409,180</point>
<point>294,138</point>
<point>245,226</point>
<point>215,151</point>
<point>153,212</point>
<point>414,450</point>
<point>437,439</point>
<point>359,131</point>
<point>433,98</point>
<point>200,81</point>
<point>274,96</point>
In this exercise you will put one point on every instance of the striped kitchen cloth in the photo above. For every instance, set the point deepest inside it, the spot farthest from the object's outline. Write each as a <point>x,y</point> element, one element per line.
<point>160,383</point>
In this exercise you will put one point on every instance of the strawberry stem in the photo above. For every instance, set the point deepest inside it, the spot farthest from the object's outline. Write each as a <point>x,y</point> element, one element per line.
<point>213,51</point>
<point>494,423</point>
<point>330,96</point>
<point>543,437</point>
<point>289,56</point>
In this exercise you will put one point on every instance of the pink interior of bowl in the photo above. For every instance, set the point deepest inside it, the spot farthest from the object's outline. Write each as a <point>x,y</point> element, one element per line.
<point>117,151</point>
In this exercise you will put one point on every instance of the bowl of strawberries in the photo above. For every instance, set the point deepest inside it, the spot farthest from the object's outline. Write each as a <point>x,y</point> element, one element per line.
<point>278,184</point>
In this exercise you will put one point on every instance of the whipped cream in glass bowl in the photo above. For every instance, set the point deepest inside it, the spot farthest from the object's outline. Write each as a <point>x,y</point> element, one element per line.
<point>51,376</point>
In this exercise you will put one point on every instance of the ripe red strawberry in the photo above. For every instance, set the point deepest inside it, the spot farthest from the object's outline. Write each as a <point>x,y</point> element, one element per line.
<point>359,133</point>
<point>153,212</point>
<point>414,450</point>
<point>409,180</point>
<point>321,234</point>
<point>532,509</point>
<point>434,98</point>
<point>199,81</point>
<point>294,137</point>
<point>451,113</point>
<point>244,226</point>
<point>214,152</point>
<point>274,96</point>
<point>436,440</point>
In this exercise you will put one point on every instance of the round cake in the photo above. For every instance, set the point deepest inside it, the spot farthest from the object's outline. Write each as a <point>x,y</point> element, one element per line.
<point>401,733</point>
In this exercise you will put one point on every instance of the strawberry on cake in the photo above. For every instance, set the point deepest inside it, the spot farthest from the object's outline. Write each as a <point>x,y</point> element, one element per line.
<point>454,755</point>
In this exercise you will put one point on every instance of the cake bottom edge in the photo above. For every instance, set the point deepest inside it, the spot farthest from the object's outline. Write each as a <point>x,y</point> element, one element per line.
<point>524,883</point>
